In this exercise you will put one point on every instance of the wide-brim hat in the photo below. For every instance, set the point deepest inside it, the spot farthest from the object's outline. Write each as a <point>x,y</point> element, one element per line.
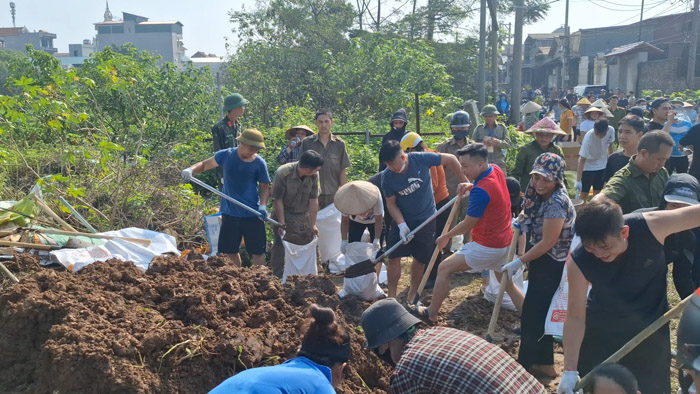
<point>386,320</point>
<point>546,125</point>
<point>252,137</point>
<point>291,133</point>
<point>607,112</point>
<point>530,107</point>
<point>593,109</point>
<point>356,197</point>
<point>234,101</point>
<point>489,110</point>
<point>583,101</point>
<point>600,103</point>
<point>687,105</point>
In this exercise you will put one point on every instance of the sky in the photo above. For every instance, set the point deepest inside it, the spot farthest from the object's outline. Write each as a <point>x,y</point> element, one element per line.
<point>207,26</point>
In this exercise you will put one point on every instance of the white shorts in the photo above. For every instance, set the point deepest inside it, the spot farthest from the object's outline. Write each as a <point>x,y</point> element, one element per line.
<point>480,258</point>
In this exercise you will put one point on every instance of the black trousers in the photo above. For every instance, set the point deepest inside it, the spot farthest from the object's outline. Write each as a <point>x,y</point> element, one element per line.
<point>357,229</point>
<point>680,164</point>
<point>543,280</point>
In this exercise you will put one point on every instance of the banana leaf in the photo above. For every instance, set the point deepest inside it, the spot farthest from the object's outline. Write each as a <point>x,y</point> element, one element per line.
<point>20,212</point>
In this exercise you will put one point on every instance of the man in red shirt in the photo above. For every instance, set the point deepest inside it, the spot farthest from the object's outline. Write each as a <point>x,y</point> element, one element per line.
<point>489,221</point>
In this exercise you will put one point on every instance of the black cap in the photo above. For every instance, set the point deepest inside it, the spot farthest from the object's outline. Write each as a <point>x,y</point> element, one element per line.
<point>657,103</point>
<point>400,114</point>
<point>636,111</point>
<point>683,189</point>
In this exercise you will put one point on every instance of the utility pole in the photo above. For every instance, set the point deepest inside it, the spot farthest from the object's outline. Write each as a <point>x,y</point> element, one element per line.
<point>565,52</point>
<point>493,38</point>
<point>692,53</point>
<point>517,62</point>
<point>481,83</point>
<point>641,18</point>
<point>509,53</point>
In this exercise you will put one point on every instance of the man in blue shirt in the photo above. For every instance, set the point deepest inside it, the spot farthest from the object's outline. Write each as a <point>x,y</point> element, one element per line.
<point>408,190</point>
<point>246,180</point>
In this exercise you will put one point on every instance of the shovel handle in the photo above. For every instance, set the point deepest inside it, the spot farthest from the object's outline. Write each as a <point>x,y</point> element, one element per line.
<point>234,201</point>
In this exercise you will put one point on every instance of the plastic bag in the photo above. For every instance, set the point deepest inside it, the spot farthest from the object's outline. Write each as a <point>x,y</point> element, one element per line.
<point>491,291</point>
<point>299,259</point>
<point>328,224</point>
<point>212,226</point>
<point>365,286</point>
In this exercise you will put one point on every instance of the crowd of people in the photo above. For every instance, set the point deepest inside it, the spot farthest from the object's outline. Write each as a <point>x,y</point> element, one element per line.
<point>638,220</point>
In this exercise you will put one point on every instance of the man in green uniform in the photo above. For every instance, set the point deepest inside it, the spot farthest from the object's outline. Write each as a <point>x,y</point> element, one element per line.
<point>640,184</point>
<point>335,157</point>
<point>295,191</point>
<point>224,133</point>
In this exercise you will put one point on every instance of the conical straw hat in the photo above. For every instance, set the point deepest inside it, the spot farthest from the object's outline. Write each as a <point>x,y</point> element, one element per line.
<point>546,125</point>
<point>600,103</point>
<point>583,101</point>
<point>530,107</point>
<point>356,197</point>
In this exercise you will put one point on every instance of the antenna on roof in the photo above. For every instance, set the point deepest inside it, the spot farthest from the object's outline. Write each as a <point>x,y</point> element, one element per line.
<point>13,12</point>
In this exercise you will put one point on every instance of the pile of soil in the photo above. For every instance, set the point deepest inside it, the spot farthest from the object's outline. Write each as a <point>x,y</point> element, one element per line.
<point>182,326</point>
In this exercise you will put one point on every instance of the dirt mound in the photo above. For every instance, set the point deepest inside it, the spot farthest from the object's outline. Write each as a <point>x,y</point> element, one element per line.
<point>183,326</point>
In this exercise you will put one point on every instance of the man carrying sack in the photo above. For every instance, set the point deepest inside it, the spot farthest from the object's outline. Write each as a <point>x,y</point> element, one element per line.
<point>295,191</point>
<point>360,203</point>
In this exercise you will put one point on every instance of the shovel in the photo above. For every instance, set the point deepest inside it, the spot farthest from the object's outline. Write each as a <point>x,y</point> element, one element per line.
<point>234,201</point>
<point>502,287</point>
<point>367,266</point>
<point>436,252</point>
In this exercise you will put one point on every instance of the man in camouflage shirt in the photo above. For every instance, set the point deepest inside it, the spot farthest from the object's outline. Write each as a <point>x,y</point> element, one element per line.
<point>224,133</point>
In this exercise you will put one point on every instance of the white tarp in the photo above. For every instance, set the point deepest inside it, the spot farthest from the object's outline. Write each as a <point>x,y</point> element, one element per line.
<point>299,259</point>
<point>75,259</point>
<point>365,286</point>
<point>328,224</point>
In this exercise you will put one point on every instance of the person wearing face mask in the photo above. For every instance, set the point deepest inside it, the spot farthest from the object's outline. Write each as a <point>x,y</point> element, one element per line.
<point>622,258</point>
<point>440,359</point>
<point>640,184</point>
<point>317,368</point>
<point>460,127</point>
<point>290,153</point>
<point>398,123</point>
<point>544,131</point>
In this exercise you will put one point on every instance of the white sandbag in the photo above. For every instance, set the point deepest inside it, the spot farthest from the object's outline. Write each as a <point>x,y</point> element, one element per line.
<point>212,226</point>
<point>491,291</point>
<point>328,224</point>
<point>383,278</point>
<point>365,286</point>
<point>299,259</point>
<point>161,243</point>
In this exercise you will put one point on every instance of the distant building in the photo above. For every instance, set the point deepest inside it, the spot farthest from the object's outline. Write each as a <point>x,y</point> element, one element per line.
<point>77,53</point>
<point>161,38</point>
<point>18,37</point>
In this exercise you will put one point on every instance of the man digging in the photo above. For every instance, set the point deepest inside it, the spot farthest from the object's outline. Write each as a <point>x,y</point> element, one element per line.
<point>408,190</point>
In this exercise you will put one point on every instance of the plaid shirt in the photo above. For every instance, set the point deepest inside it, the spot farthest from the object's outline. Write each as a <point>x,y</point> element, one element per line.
<point>288,157</point>
<point>446,360</point>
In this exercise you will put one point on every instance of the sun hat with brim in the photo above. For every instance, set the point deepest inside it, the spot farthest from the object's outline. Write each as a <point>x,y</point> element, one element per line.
<point>583,101</point>
<point>675,100</point>
<point>549,165</point>
<point>386,320</point>
<point>410,140</point>
<point>291,133</point>
<point>252,137</point>
<point>356,197</point>
<point>607,112</point>
<point>687,105</point>
<point>546,125</point>
<point>234,101</point>
<point>530,107</point>
<point>682,189</point>
<point>600,103</point>
<point>489,110</point>
<point>593,109</point>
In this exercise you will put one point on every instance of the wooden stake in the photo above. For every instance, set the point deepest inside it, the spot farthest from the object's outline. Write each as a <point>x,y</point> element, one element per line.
<point>7,273</point>
<point>28,245</point>
<point>41,204</point>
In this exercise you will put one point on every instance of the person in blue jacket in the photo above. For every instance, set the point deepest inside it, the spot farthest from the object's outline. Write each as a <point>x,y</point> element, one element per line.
<point>318,367</point>
<point>503,105</point>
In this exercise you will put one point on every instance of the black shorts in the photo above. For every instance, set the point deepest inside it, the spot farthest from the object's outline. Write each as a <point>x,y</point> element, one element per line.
<point>357,229</point>
<point>421,246</point>
<point>592,179</point>
<point>234,229</point>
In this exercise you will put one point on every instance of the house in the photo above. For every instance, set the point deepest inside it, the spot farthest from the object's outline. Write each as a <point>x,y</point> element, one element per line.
<point>629,57</point>
<point>18,37</point>
<point>161,38</point>
<point>76,55</point>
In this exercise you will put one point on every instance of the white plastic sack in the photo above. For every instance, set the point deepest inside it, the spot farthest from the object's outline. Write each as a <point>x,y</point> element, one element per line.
<point>212,226</point>
<point>299,259</point>
<point>75,259</point>
<point>491,291</point>
<point>365,286</point>
<point>328,224</point>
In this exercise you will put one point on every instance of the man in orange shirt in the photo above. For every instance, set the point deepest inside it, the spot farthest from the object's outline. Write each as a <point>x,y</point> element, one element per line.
<point>412,142</point>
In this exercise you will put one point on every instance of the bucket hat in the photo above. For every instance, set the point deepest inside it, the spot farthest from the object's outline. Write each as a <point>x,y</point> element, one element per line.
<point>546,125</point>
<point>583,101</point>
<point>530,107</point>
<point>400,114</point>
<point>489,110</point>
<point>234,101</point>
<point>291,133</point>
<point>252,137</point>
<point>356,197</point>
<point>549,165</point>
<point>386,320</point>
<point>410,140</point>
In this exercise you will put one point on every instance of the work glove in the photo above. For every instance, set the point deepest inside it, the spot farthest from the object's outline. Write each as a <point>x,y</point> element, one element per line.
<point>403,232</point>
<point>569,380</point>
<point>511,268</point>
<point>515,223</point>
<point>186,174</point>
<point>343,246</point>
<point>263,211</point>
<point>578,186</point>
<point>376,245</point>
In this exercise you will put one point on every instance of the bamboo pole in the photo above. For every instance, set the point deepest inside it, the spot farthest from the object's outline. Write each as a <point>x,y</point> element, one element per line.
<point>140,241</point>
<point>41,204</point>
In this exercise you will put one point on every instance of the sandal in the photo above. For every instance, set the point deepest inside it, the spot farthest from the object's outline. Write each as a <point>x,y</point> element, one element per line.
<point>422,313</point>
